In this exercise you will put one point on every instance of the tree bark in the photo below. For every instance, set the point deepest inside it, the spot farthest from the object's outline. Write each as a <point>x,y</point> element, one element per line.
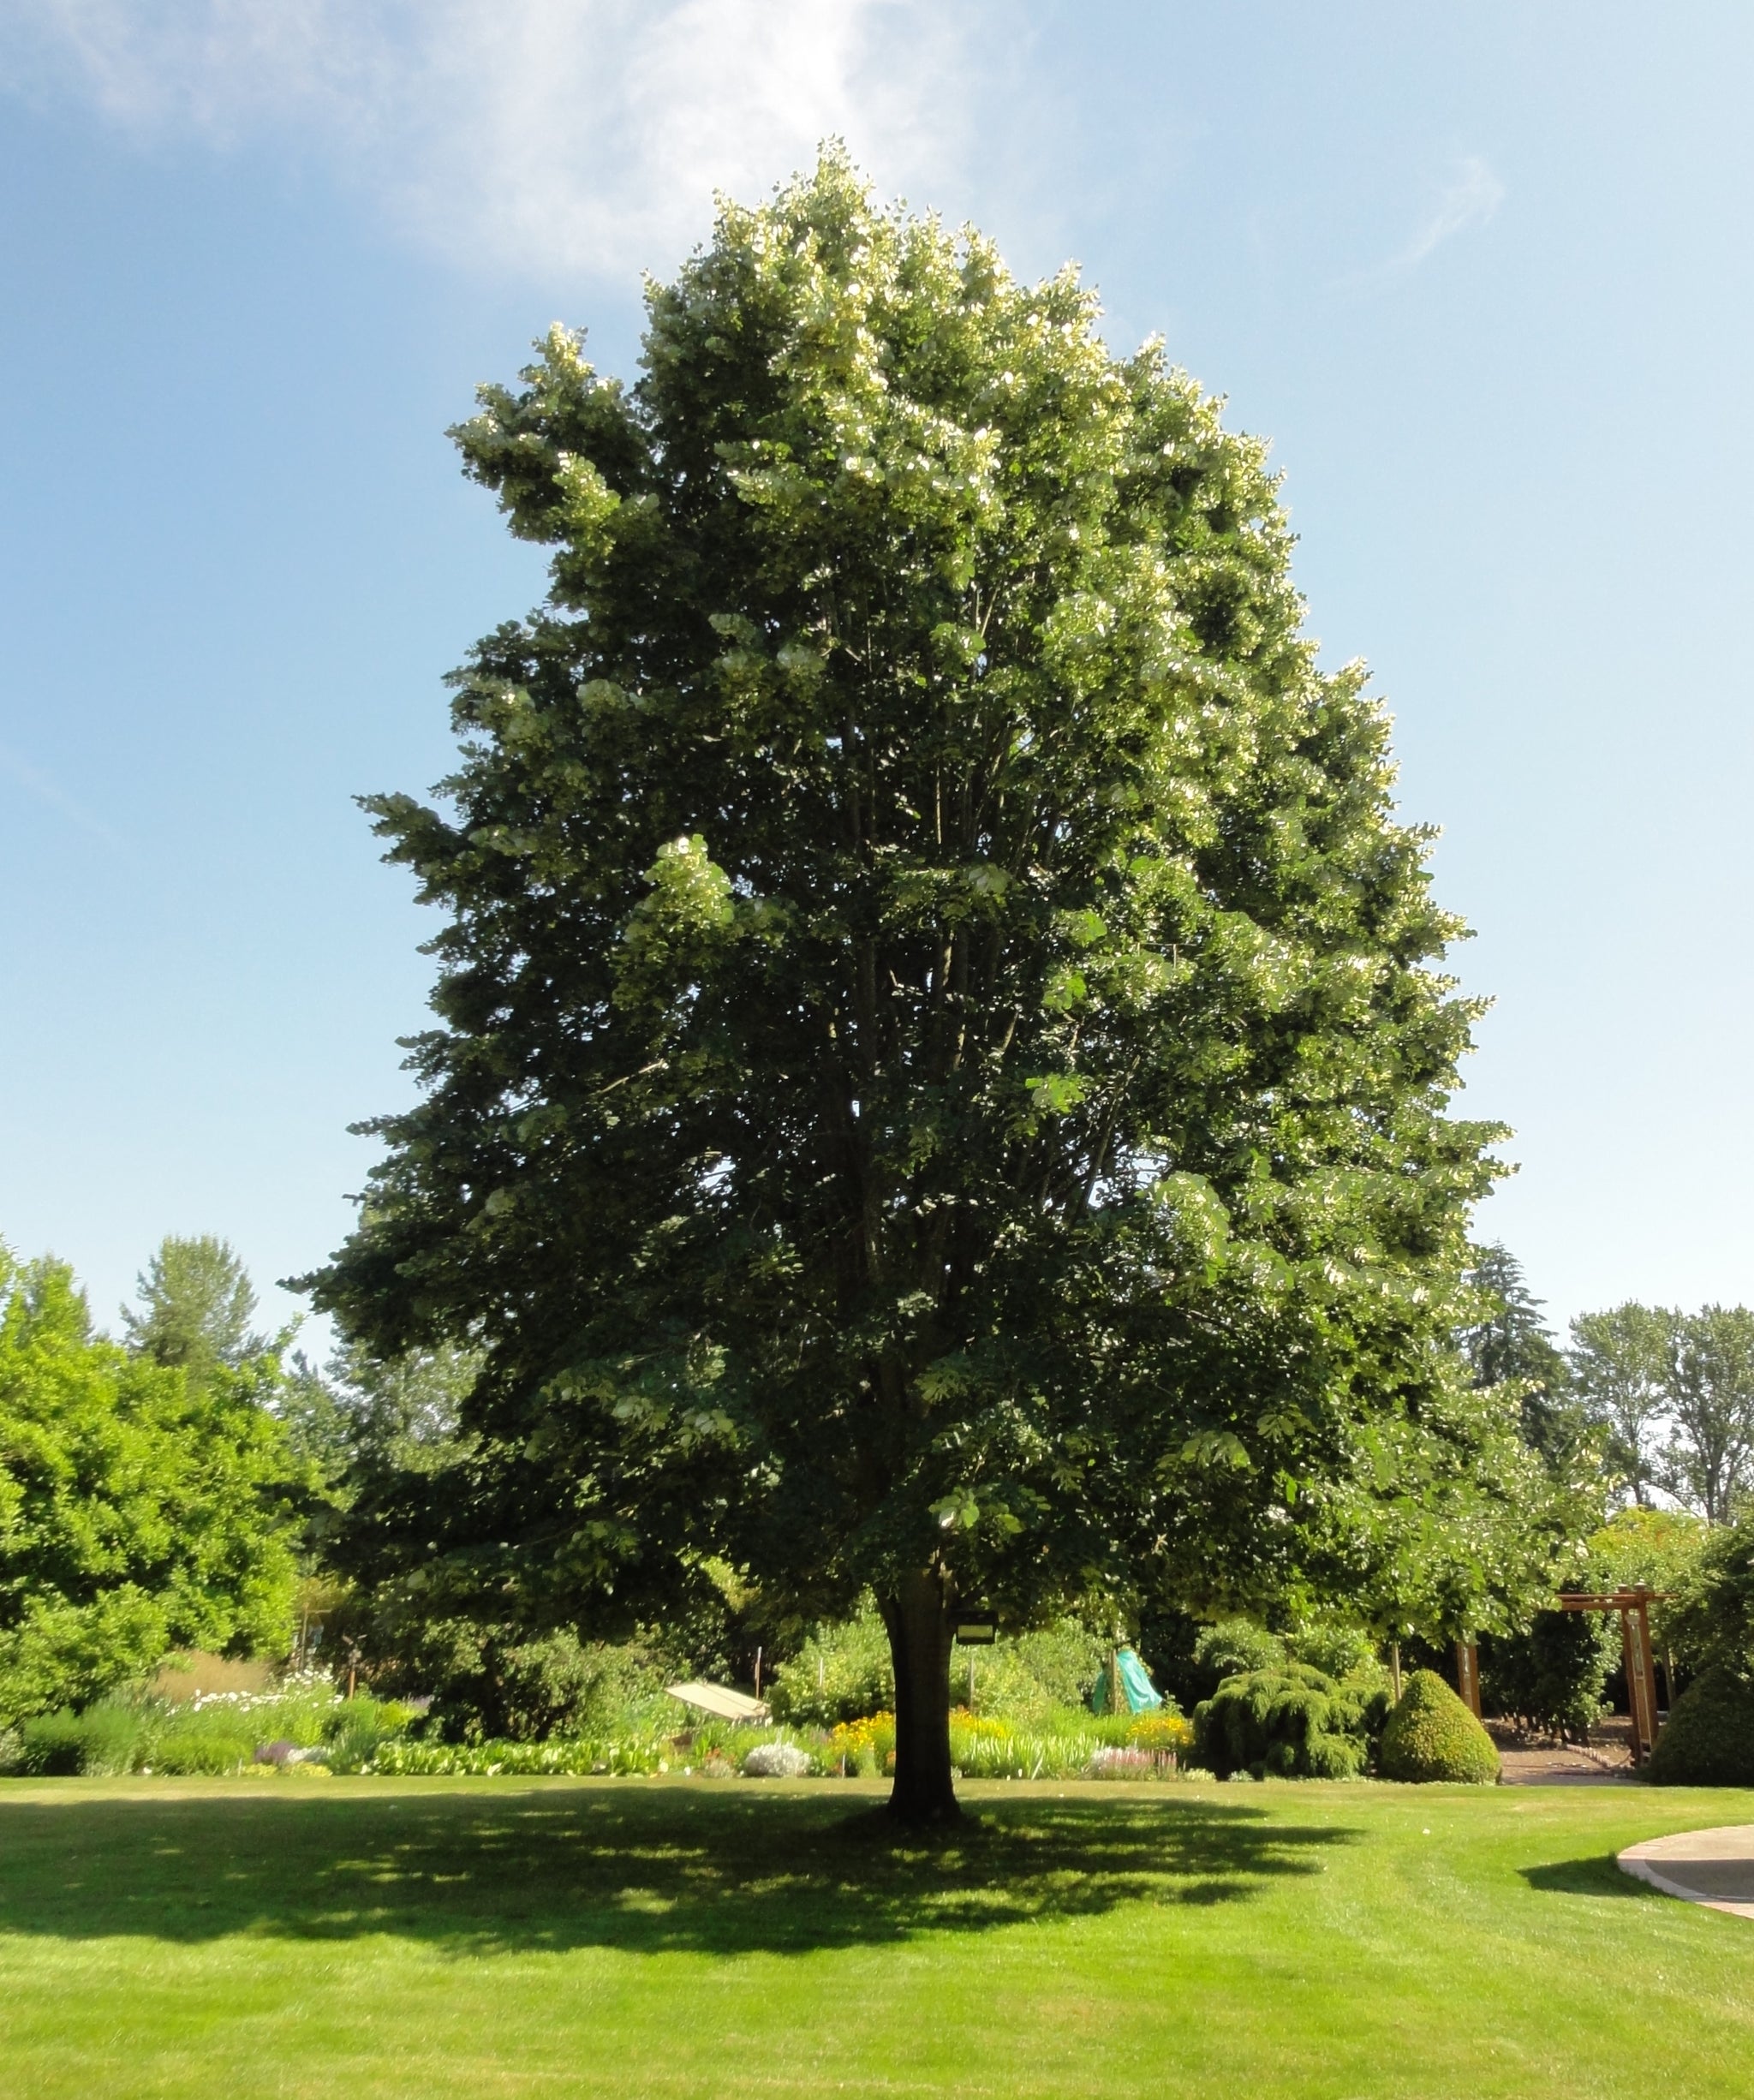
<point>918,1619</point>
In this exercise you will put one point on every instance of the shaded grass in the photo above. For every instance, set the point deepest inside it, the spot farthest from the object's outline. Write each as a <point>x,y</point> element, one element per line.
<point>627,1938</point>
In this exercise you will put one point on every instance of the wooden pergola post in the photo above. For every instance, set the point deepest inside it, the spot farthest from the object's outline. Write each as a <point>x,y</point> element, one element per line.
<point>1633,1606</point>
<point>1641,1674</point>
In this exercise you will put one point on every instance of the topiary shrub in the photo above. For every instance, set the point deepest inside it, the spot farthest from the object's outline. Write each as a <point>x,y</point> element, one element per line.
<point>1709,1738</point>
<point>1291,1722</point>
<point>1431,1735</point>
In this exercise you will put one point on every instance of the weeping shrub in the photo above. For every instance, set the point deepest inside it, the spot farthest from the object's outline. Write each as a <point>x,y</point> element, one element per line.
<point>1430,1735</point>
<point>1288,1722</point>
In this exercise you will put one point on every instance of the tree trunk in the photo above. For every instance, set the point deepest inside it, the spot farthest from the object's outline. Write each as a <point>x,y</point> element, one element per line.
<point>919,1642</point>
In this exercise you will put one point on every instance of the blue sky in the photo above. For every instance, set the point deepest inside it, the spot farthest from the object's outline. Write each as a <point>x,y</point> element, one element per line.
<point>1484,275</point>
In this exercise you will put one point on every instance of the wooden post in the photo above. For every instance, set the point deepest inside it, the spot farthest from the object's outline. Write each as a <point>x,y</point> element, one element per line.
<point>1468,1674</point>
<point>1394,1669</point>
<point>1641,1677</point>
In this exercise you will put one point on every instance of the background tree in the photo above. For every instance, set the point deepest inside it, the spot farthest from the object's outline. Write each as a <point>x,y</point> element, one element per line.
<point>1708,1398</point>
<point>141,1508</point>
<point>1618,1365</point>
<point>942,1064</point>
<point>1512,1343</point>
<point>195,1305</point>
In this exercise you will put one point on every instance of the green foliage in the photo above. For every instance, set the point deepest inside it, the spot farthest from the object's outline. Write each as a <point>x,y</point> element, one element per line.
<point>1619,1361</point>
<point>211,1751</point>
<point>1550,1675</point>
<point>1709,1738</point>
<point>1711,1623</point>
<point>942,1055</point>
<point>196,1303</point>
<point>841,1672</point>
<point>1290,1722</point>
<point>141,1508</point>
<point>1239,1647</point>
<point>1031,1676</point>
<point>1709,1462</point>
<point>209,1733</point>
<point>575,1755</point>
<point>1643,1367</point>
<point>486,1684</point>
<point>1346,1653</point>
<point>1512,1345</point>
<point>1430,1735</point>
<point>106,1739</point>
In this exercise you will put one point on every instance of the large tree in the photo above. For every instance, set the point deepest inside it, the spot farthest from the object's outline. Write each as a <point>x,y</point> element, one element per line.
<point>943,1064</point>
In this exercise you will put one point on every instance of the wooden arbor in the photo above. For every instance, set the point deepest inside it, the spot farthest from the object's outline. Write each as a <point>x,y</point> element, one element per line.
<point>1634,1607</point>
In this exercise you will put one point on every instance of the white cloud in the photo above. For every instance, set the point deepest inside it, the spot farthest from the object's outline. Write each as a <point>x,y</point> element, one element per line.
<point>585,135</point>
<point>1470,200</point>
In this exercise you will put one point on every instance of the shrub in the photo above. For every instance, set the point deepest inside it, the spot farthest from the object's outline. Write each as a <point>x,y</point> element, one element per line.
<point>1346,1654</point>
<point>839,1674</point>
<point>1713,1621</point>
<point>776,1761</point>
<point>105,1739</point>
<point>1031,1677</point>
<point>202,1751</point>
<point>1551,1676</point>
<point>1239,1647</point>
<point>1430,1735</point>
<point>1709,1738</point>
<point>489,1684</point>
<point>1293,1722</point>
<point>52,1745</point>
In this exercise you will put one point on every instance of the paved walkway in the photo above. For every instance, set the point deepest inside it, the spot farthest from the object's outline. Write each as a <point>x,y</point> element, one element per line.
<point>1712,1867</point>
<point>1563,1767</point>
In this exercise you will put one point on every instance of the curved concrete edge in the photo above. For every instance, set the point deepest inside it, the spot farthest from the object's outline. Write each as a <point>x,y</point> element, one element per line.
<point>1642,1862</point>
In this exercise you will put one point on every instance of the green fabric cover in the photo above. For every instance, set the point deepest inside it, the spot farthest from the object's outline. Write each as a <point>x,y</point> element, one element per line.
<point>1136,1686</point>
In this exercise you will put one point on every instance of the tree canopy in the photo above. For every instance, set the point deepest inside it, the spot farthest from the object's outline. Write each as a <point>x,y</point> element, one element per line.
<point>943,1064</point>
<point>141,1508</point>
<point>195,1305</point>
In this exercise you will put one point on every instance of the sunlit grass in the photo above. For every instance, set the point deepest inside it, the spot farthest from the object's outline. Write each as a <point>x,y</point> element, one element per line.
<point>295,1937</point>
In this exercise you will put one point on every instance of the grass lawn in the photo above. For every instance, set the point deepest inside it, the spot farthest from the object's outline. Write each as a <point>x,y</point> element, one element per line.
<point>488,1937</point>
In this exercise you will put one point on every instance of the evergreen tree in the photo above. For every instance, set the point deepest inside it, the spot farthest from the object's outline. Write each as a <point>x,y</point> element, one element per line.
<point>196,1303</point>
<point>942,1062</point>
<point>1512,1341</point>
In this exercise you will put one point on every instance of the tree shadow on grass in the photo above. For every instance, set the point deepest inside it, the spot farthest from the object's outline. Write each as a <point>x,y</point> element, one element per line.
<point>640,1869</point>
<point>1600,1876</point>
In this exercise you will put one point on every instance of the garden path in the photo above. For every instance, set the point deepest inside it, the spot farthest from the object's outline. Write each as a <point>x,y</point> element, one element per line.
<point>1712,1867</point>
